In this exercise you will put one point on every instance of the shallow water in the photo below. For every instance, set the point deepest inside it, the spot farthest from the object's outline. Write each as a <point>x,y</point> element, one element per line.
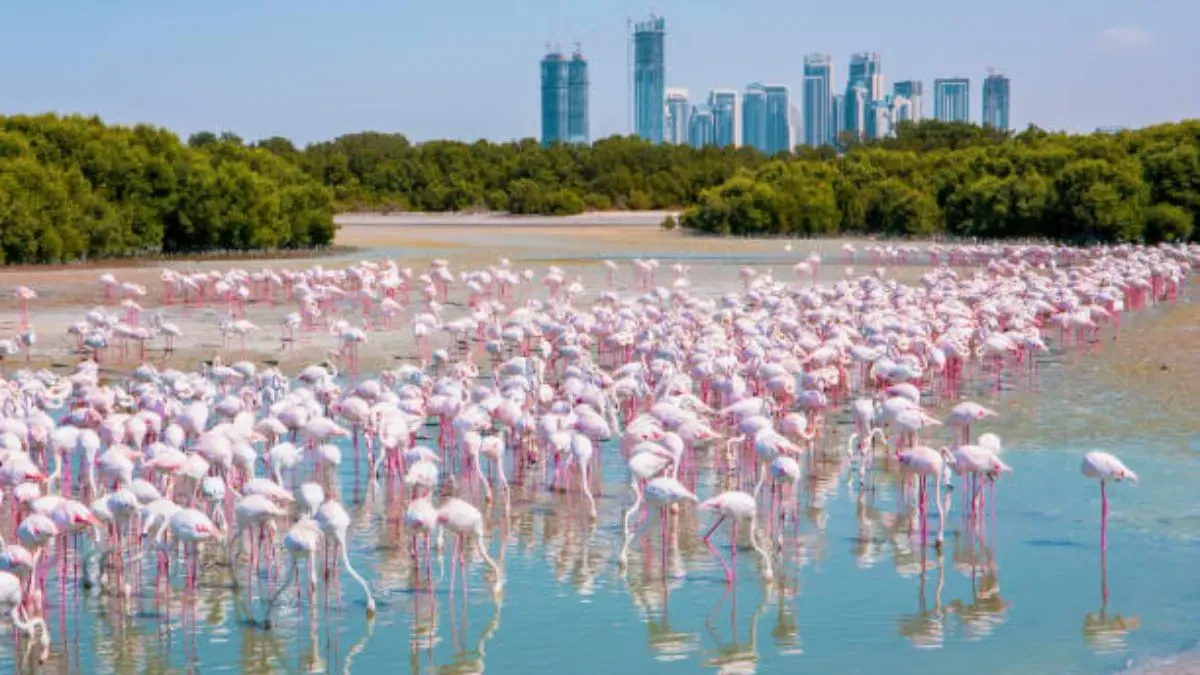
<point>849,595</point>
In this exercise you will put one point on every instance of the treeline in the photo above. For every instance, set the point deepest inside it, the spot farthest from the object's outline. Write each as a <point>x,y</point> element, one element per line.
<point>375,171</point>
<point>74,188</point>
<point>963,180</point>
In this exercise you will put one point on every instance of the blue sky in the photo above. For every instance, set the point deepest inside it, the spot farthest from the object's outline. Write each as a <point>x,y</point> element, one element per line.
<point>468,69</point>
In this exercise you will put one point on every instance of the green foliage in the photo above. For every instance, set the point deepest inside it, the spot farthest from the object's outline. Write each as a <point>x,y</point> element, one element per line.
<point>73,188</point>
<point>970,181</point>
<point>372,170</point>
<point>669,222</point>
<point>1167,222</point>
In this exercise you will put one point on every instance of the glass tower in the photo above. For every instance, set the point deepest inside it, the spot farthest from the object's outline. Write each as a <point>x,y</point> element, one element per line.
<point>866,73</point>
<point>818,100</point>
<point>700,127</point>
<point>554,98</point>
<point>754,117</point>
<point>778,119</point>
<point>727,124</point>
<point>995,101</point>
<point>577,99</point>
<point>649,78</point>
<point>952,99</point>
<point>912,91</point>
<point>678,115</point>
<point>837,118</point>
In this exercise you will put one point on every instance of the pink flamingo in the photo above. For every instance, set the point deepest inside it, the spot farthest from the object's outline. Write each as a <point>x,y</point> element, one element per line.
<point>1105,467</point>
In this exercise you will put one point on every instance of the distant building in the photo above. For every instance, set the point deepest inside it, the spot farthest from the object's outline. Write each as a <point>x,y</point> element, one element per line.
<point>754,117</point>
<point>837,118</point>
<point>727,123</point>
<point>865,74</point>
<point>649,78</point>
<point>952,99</point>
<point>995,101</point>
<point>878,119</point>
<point>577,99</point>
<point>700,127</point>
<point>866,70</point>
<point>855,107</point>
<point>678,114</point>
<point>554,98</point>
<point>778,119</point>
<point>913,92</point>
<point>818,100</point>
<point>902,110</point>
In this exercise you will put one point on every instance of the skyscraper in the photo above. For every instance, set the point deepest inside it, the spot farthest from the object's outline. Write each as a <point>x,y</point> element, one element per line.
<point>855,108</point>
<point>727,125</point>
<point>902,110</point>
<point>700,127</point>
<point>837,118</point>
<point>577,99</point>
<point>778,122</point>
<point>649,78</point>
<point>554,98</point>
<point>913,91</point>
<point>879,119</point>
<point>866,73</point>
<point>995,101</point>
<point>678,115</point>
<point>952,99</point>
<point>818,99</point>
<point>754,117</point>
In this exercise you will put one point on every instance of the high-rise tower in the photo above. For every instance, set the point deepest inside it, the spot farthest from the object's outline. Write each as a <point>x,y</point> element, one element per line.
<point>649,78</point>
<point>678,116</point>
<point>865,73</point>
<point>912,91</point>
<point>995,101</point>
<point>554,98</point>
<point>754,117</point>
<point>952,99</point>
<point>727,125</point>
<point>818,100</point>
<point>577,98</point>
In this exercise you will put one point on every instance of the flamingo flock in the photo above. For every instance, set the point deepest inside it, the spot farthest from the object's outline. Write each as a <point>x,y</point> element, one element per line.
<point>226,463</point>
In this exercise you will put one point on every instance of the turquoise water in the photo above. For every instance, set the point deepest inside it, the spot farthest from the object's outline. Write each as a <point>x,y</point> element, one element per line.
<point>849,594</point>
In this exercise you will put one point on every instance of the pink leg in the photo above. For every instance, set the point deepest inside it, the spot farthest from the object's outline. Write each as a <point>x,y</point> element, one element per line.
<point>1103,518</point>
<point>708,543</point>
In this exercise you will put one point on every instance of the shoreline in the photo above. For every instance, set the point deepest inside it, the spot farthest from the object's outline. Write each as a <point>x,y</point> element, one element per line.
<point>501,219</point>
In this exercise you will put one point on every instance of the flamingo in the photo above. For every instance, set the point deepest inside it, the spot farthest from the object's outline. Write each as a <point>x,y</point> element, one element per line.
<point>463,519</point>
<point>334,521</point>
<point>736,506</point>
<point>1105,467</point>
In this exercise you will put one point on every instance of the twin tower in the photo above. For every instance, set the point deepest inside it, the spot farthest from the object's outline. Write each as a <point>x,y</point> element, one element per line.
<point>564,98</point>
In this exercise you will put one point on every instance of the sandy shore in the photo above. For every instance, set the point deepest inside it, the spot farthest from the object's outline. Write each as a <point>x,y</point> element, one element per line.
<point>489,219</point>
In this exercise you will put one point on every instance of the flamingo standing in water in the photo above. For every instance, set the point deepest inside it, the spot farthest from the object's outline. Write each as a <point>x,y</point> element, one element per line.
<point>12,603</point>
<point>1105,467</point>
<point>927,463</point>
<point>463,519</point>
<point>737,506</point>
<point>333,520</point>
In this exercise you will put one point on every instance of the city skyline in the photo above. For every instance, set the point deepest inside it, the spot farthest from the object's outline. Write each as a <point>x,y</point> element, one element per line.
<point>864,110</point>
<point>251,68</point>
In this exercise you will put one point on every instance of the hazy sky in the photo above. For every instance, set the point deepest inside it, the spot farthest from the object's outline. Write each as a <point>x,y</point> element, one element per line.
<point>467,69</point>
